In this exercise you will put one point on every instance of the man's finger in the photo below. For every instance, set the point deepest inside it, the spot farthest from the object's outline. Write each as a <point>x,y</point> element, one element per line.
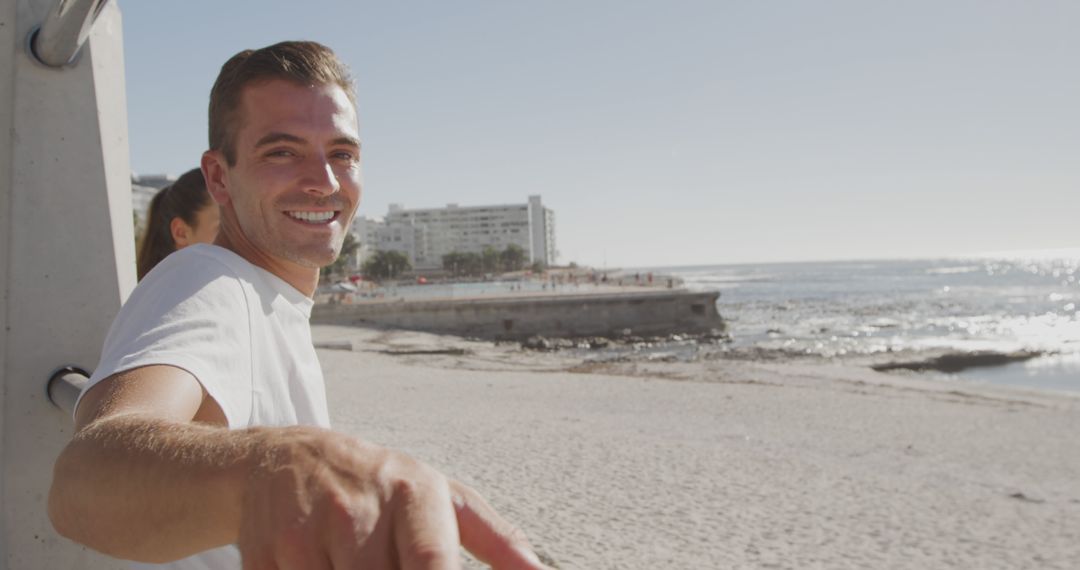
<point>488,536</point>
<point>425,530</point>
<point>360,538</point>
<point>375,553</point>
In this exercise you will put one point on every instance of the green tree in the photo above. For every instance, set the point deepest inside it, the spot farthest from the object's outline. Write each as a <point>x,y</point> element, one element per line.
<point>386,265</point>
<point>474,264</point>
<point>538,266</point>
<point>469,264</point>
<point>513,258</point>
<point>489,260</point>
<point>456,263</point>
<point>348,248</point>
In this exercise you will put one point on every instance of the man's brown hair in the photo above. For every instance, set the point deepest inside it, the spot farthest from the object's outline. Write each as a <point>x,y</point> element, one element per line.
<point>304,63</point>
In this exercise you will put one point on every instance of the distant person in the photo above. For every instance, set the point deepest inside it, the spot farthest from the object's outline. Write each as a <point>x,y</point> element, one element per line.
<point>180,215</point>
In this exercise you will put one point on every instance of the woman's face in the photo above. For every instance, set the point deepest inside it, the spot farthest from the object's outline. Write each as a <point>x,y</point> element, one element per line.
<point>204,230</point>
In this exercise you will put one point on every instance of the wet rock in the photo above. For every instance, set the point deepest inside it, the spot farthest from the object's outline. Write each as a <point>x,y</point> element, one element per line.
<point>599,342</point>
<point>536,343</point>
<point>958,361</point>
<point>562,343</point>
<point>716,334</point>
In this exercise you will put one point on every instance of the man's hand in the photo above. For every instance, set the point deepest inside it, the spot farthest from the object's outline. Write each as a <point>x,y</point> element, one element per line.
<point>322,500</point>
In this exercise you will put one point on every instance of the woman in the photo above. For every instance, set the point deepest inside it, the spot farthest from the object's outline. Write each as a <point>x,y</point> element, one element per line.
<point>180,215</point>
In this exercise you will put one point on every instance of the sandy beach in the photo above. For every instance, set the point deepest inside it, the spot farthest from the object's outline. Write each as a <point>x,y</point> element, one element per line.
<point>724,464</point>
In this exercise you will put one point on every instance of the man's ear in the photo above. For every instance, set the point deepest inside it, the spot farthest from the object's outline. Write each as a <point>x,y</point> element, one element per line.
<point>215,172</point>
<point>181,232</point>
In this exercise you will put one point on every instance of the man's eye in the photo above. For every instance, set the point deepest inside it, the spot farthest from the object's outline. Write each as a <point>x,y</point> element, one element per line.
<point>281,152</point>
<point>345,155</point>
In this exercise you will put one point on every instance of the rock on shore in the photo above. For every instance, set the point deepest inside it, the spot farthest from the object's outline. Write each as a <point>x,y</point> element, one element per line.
<point>957,361</point>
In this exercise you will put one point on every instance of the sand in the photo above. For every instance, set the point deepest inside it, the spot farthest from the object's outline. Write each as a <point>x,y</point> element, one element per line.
<point>723,464</point>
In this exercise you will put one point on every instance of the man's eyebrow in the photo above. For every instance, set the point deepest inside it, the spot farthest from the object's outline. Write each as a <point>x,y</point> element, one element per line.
<point>277,137</point>
<point>272,138</point>
<point>346,141</point>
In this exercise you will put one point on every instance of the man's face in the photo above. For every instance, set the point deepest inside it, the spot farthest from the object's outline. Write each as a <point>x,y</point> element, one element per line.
<point>296,182</point>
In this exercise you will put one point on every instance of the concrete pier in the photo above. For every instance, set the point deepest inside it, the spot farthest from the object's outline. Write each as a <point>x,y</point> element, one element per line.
<point>646,312</point>
<point>67,255</point>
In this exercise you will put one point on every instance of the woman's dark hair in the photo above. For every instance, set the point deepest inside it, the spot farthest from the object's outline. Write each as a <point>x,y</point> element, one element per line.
<point>184,199</point>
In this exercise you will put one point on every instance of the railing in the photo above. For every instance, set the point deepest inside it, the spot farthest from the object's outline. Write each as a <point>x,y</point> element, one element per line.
<point>57,41</point>
<point>64,387</point>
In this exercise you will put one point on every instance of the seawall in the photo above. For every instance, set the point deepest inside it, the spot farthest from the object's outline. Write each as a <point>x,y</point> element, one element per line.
<point>518,317</point>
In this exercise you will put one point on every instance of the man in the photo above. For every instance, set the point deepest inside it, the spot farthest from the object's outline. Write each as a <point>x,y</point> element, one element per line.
<point>202,437</point>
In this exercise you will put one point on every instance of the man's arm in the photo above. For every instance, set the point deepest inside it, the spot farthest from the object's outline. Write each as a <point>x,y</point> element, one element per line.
<point>140,480</point>
<point>153,475</point>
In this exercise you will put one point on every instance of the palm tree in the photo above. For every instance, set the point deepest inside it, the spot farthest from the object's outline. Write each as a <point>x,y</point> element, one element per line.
<point>513,258</point>
<point>386,265</point>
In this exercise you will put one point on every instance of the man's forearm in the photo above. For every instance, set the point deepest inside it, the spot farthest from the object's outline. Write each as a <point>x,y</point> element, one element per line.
<point>141,488</point>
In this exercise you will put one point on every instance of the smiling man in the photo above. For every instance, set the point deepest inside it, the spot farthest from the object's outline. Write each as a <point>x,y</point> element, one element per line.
<point>202,439</point>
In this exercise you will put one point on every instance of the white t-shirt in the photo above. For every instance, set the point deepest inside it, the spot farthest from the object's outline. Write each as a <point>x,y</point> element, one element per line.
<point>243,332</point>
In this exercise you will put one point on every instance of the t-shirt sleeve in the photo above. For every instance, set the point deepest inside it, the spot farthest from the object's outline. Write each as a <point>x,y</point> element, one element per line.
<point>193,317</point>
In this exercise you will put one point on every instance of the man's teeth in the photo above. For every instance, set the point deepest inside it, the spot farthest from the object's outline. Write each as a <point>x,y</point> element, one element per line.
<point>312,216</point>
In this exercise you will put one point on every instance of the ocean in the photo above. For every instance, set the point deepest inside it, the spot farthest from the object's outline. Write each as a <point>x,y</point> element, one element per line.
<point>844,310</point>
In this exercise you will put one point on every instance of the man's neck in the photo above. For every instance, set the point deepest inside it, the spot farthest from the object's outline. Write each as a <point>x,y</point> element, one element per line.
<point>303,279</point>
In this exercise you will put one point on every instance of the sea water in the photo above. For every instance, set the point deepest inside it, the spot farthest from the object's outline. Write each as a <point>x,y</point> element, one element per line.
<point>844,309</point>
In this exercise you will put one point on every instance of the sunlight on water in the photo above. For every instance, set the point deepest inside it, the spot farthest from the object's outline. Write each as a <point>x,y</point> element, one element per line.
<point>1021,301</point>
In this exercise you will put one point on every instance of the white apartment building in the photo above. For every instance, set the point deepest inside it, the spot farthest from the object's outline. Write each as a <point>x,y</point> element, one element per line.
<point>426,235</point>
<point>143,189</point>
<point>365,230</point>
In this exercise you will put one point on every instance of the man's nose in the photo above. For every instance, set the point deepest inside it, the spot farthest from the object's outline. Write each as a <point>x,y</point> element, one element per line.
<point>320,179</point>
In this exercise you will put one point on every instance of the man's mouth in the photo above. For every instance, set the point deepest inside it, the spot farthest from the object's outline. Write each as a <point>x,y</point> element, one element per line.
<point>312,217</point>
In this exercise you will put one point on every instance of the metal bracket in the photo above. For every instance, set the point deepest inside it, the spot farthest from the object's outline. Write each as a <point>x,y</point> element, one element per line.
<point>58,40</point>
<point>64,386</point>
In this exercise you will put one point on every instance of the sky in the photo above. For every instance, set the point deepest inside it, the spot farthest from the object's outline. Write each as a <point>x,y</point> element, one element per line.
<point>671,132</point>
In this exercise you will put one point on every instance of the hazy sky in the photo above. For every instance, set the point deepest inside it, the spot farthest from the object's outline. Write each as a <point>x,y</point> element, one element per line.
<point>676,132</point>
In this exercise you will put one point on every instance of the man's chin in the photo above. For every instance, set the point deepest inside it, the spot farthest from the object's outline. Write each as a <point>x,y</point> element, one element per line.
<point>313,259</point>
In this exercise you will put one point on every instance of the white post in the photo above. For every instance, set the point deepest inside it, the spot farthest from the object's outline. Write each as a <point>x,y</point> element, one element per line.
<point>66,256</point>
